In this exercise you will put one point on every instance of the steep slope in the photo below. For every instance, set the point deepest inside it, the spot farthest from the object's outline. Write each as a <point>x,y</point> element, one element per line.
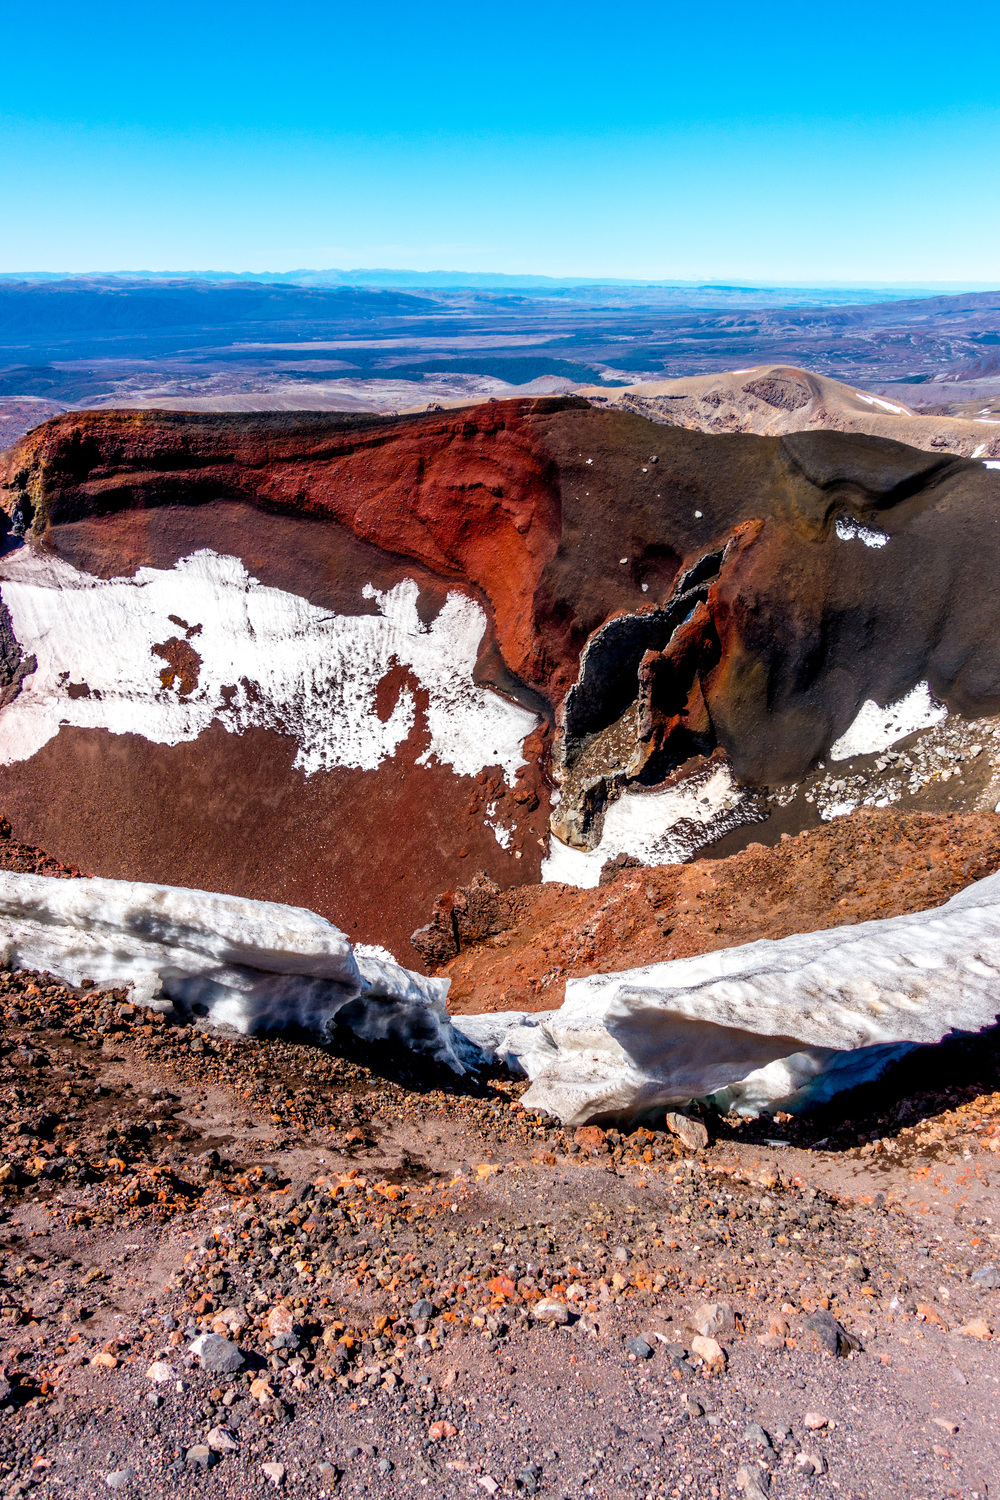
<point>341,661</point>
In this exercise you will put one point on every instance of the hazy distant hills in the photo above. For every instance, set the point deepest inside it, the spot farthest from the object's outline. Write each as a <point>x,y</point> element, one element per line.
<point>243,344</point>
<point>38,313</point>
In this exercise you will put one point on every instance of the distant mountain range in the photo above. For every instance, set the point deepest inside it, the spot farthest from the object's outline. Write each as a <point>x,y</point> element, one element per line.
<point>706,293</point>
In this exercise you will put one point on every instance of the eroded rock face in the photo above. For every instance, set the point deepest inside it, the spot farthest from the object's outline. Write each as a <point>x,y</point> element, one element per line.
<point>340,661</point>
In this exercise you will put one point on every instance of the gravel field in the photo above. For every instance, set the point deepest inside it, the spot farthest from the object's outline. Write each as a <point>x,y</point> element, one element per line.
<point>411,1286</point>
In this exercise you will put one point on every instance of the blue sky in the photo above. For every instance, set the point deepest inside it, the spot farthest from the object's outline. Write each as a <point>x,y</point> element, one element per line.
<point>778,143</point>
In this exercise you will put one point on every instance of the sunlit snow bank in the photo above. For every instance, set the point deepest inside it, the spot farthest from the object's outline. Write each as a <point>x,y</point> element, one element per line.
<point>251,965</point>
<point>165,653</point>
<point>657,827</point>
<point>877,728</point>
<point>788,1022</point>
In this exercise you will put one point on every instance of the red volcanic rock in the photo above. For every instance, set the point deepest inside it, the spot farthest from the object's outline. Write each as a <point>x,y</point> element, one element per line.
<point>873,864</point>
<point>337,660</point>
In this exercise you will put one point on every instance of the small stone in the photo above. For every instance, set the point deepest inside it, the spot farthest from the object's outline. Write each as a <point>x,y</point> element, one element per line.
<point>385,1465</point>
<point>752,1481</point>
<point>160,1371</point>
<point>622,1255</point>
<point>260,1389</point>
<point>712,1354</point>
<point>976,1329</point>
<point>590,1138</point>
<point>810,1463</point>
<point>119,1479</point>
<point>280,1320</point>
<point>550,1310</point>
<point>275,1473</point>
<point>221,1440</point>
<point>950,1427</point>
<point>755,1434</point>
<point>442,1429</point>
<point>689,1132</point>
<point>714,1318</point>
<point>987,1277</point>
<point>833,1336</point>
<point>959,1377</point>
<point>199,1457</point>
<point>693,1408</point>
<point>422,1309</point>
<point>329,1476</point>
<point>488,1483</point>
<point>640,1348</point>
<point>218,1355</point>
<point>813,1421</point>
<point>105,1360</point>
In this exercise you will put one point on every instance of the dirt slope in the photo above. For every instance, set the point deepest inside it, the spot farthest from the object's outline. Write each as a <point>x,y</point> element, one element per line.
<point>776,399</point>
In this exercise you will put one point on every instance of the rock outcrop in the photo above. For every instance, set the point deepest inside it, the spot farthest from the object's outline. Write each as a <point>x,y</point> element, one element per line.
<point>341,662</point>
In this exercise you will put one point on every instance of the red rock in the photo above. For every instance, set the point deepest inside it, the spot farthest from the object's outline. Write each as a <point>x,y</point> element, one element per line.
<point>527,508</point>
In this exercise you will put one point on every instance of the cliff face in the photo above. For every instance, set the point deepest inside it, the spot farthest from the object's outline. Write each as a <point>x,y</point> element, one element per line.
<point>340,660</point>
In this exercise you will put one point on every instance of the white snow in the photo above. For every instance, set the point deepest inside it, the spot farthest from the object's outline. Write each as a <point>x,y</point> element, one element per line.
<point>991,463</point>
<point>762,1024</point>
<point>851,531</point>
<point>768,1023</point>
<point>250,965</point>
<point>977,452</point>
<point>656,827</point>
<point>899,411</point>
<point>268,659</point>
<point>877,728</point>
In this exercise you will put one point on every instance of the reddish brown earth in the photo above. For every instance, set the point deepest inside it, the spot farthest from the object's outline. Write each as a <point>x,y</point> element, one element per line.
<point>519,947</point>
<point>556,517</point>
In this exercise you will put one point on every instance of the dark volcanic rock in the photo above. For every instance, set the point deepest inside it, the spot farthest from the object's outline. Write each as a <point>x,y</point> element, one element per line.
<point>739,599</point>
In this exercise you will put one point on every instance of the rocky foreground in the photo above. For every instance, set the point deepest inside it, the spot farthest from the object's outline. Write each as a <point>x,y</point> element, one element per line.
<point>230,1265</point>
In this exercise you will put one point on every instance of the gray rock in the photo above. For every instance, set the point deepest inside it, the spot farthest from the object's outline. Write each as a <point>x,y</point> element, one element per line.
<point>119,1479</point>
<point>274,1472</point>
<point>622,1255</point>
<point>422,1309</point>
<point>639,1348</point>
<point>986,1276</point>
<point>755,1434</point>
<point>218,1355</point>
<point>832,1335</point>
<point>199,1456</point>
<point>753,1482</point>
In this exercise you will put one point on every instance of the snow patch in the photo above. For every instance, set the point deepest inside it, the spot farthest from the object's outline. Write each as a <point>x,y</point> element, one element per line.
<point>251,966</point>
<point>657,827</point>
<point>877,728</point>
<point>853,531</point>
<point>166,653</point>
<point>846,1001</point>
<point>898,411</point>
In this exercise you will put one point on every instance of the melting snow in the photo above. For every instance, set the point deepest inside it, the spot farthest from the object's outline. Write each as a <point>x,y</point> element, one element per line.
<point>850,531</point>
<point>250,965</point>
<point>899,411</point>
<point>877,728</point>
<point>663,827</point>
<point>262,658</point>
<point>767,1023</point>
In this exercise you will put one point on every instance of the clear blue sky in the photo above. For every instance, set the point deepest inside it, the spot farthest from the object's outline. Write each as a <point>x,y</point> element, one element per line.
<point>805,143</point>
